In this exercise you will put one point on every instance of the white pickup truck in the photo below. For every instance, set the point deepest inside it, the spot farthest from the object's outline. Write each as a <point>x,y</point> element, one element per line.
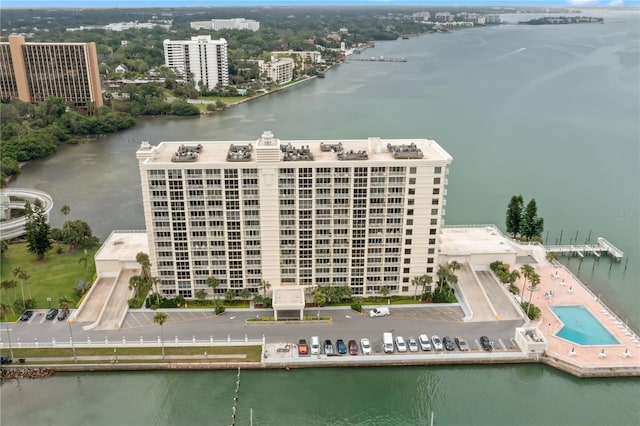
<point>379,312</point>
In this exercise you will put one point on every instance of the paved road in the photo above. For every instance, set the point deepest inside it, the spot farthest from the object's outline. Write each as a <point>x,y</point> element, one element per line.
<point>481,306</point>
<point>499,298</point>
<point>345,324</point>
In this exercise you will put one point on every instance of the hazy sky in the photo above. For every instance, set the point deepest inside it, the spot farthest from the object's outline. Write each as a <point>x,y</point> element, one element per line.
<point>220,3</point>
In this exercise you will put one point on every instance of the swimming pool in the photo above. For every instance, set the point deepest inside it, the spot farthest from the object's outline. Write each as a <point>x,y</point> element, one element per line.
<point>581,327</point>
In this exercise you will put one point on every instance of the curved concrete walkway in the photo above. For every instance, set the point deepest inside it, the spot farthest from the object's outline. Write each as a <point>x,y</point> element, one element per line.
<point>14,228</point>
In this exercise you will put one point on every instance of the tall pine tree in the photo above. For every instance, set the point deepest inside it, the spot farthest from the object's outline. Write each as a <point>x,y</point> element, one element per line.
<point>514,215</point>
<point>37,229</point>
<point>532,225</point>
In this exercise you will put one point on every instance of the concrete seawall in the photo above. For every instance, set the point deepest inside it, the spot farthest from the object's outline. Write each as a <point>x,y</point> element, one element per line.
<point>340,362</point>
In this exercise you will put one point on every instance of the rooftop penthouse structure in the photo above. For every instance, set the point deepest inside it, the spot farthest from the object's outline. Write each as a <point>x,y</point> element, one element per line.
<point>361,213</point>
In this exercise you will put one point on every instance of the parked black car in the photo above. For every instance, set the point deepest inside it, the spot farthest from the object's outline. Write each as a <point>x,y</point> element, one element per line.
<point>342,348</point>
<point>26,316</point>
<point>486,343</point>
<point>5,359</point>
<point>52,313</point>
<point>62,314</point>
<point>448,343</point>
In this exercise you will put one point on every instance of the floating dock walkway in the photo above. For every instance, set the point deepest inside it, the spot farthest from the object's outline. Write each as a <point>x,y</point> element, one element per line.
<point>378,59</point>
<point>602,247</point>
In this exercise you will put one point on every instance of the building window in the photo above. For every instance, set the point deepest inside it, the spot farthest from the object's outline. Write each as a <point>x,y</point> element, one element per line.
<point>434,221</point>
<point>405,270</point>
<point>432,231</point>
<point>435,201</point>
<point>407,242</point>
<point>407,251</point>
<point>436,191</point>
<point>409,212</point>
<point>409,222</point>
<point>437,170</point>
<point>412,181</point>
<point>412,170</point>
<point>409,232</point>
<point>434,212</point>
<point>432,241</point>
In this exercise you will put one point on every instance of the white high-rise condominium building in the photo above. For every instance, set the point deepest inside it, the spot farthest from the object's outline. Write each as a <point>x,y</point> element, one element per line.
<point>359,213</point>
<point>205,59</point>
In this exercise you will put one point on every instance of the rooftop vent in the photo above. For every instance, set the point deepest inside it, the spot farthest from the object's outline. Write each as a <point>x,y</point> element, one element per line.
<point>239,153</point>
<point>352,155</point>
<point>186,153</point>
<point>405,151</point>
<point>331,147</point>
<point>292,153</point>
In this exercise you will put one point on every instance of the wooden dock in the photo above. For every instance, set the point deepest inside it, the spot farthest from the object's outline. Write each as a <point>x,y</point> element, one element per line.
<point>601,247</point>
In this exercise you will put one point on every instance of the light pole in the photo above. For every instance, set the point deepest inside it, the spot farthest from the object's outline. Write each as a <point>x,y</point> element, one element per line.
<point>73,347</point>
<point>115,354</point>
<point>9,338</point>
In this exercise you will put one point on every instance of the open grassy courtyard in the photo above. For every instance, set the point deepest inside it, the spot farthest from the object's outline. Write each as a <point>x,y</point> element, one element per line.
<point>55,276</point>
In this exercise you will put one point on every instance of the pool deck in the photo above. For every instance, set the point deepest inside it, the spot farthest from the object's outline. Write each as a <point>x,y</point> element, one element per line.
<point>583,360</point>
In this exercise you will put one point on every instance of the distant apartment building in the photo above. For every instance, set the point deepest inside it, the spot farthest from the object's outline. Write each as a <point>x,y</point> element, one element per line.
<point>421,16</point>
<point>123,26</point>
<point>303,59</point>
<point>279,70</point>
<point>492,19</point>
<point>474,18</point>
<point>444,17</point>
<point>227,24</point>
<point>32,72</point>
<point>361,213</point>
<point>201,59</point>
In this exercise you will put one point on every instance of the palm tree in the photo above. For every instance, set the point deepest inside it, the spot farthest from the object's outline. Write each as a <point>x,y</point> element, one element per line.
<point>454,266</point>
<point>145,265</point>
<point>264,286</point>
<point>534,279</point>
<point>160,318</point>
<point>155,281</point>
<point>136,283</point>
<point>426,280</point>
<point>416,282</point>
<point>526,270</point>
<point>245,294</point>
<point>20,273</point>
<point>63,304</point>
<point>4,309</point>
<point>385,291</point>
<point>213,282</point>
<point>6,285</point>
<point>65,210</point>
<point>551,257</point>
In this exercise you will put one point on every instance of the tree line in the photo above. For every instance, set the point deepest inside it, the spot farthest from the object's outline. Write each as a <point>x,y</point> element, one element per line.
<point>524,221</point>
<point>29,132</point>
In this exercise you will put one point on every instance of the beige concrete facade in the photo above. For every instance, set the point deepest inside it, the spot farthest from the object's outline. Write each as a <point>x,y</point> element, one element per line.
<point>293,213</point>
<point>32,72</point>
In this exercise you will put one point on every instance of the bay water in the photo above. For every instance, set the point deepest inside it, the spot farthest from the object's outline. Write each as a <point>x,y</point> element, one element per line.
<point>549,112</point>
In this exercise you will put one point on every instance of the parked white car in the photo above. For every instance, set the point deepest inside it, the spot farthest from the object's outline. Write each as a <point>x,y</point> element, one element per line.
<point>379,312</point>
<point>366,346</point>
<point>400,344</point>
<point>437,343</point>
<point>425,343</point>
<point>412,344</point>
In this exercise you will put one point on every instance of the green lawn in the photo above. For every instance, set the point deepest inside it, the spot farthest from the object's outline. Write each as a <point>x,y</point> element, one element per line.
<point>226,100</point>
<point>53,277</point>
<point>252,353</point>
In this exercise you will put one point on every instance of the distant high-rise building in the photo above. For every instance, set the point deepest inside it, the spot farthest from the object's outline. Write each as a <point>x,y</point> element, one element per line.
<point>360,213</point>
<point>227,24</point>
<point>202,59</point>
<point>32,72</point>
